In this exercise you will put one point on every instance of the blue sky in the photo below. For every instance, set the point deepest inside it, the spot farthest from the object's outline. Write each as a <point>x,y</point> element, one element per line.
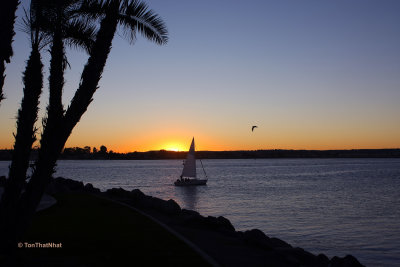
<point>311,74</point>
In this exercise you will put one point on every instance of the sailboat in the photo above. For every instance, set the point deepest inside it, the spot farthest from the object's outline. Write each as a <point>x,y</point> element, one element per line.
<point>188,176</point>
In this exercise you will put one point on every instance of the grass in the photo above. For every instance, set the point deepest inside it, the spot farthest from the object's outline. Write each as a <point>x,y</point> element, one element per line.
<point>98,232</point>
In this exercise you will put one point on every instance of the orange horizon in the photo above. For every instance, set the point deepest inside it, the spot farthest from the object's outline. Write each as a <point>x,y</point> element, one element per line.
<point>232,150</point>
<point>213,144</point>
<point>235,138</point>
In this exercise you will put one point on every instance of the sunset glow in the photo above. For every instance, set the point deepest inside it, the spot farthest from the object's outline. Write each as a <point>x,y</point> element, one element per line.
<point>174,147</point>
<point>293,72</point>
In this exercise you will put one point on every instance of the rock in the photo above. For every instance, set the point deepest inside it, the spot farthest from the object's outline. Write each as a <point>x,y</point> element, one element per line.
<point>219,223</point>
<point>257,237</point>
<point>300,256</point>
<point>91,189</point>
<point>192,218</point>
<point>322,260</point>
<point>157,203</point>
<point>62,185</point>
<point>72,185</point>
<point>118,193</point>
<point>278,243</point>
<point>211,222</point>
<point>136,194</point>
<point>171,207</point>
<point>348,261</point>
<point>225,224</point>
<point>189,213</point>
<point>255,234</point>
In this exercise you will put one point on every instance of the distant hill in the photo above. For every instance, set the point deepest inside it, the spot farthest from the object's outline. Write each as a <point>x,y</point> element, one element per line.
<point>78,153</point>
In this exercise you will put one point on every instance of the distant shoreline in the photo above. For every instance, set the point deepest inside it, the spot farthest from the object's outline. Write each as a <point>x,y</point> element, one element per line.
<point>80,154</point>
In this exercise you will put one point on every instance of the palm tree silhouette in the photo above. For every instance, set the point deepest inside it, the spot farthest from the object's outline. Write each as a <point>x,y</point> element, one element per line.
<point>40,23</point>
<point>7,20</point>
<point>27,116</point>
<point>133,16</point>
<point>71,26</point>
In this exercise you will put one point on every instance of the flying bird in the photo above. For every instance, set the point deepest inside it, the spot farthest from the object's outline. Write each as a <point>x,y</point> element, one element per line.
<point>252,128</point>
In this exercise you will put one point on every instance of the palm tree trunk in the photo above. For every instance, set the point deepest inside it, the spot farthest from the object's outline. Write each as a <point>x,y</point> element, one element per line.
<point>2,78</point>
<point>92,72</point>
<point>7,20</point>
<point>52,144</point>
<point>55,110</point>
<point>27,116</point>
<point>56,79</point>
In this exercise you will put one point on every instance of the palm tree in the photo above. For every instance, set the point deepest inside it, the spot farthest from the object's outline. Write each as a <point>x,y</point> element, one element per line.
<point>27,116</point>
<point>133,16</point>
<point>67,16</point>
<point>40,23</point>
<point>7,20</point>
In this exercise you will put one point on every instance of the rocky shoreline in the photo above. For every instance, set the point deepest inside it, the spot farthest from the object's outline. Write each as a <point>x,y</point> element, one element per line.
<point>216,236</point>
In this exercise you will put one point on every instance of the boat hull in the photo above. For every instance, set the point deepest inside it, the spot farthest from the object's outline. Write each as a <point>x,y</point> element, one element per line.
<point>190,182</point>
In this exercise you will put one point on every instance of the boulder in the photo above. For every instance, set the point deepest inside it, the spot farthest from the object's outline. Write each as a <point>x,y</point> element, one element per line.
<point>257,237</point>
<point>91,189</point>
<point>157,203</point>
<point>189,213</point>
<point>171,207</point>
<point>192,218</point>
<point>322,260</point>
<point>278,243</point>
<point>118,193</point>
<point>348,261</point>
<point>211,222</point>
<point>136,194</point>
<point>300,255</point>
<point>72,185</point>
<point>220,223</point>
<point>225,224</point>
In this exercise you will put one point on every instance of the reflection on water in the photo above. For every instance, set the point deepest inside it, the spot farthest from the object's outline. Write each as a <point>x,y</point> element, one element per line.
<point>188,195</point>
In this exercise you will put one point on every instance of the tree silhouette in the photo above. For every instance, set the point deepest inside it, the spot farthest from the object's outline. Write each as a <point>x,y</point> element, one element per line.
<point>133,16</point>
<point>87,149</point>
<point>103,150</point>
<point>27,116</point>
<point>67,22</point>
<point>40,23</point>
<point>7,20</point>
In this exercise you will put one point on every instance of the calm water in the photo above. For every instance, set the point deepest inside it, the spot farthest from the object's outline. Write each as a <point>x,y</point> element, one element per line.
<point>331,206</point>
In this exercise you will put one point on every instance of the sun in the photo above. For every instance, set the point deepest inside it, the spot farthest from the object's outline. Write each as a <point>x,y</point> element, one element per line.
<point>174,147</point>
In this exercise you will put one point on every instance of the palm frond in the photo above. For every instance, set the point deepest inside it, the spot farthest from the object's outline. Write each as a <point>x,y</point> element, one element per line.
<point>80,34</point>
<point>26,25</point>
<point>31,25</point>
<point>135,16</point>
<point>92,9</point>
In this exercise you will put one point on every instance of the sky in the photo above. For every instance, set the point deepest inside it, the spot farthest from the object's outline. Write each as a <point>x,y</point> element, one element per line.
<point>310,74</point>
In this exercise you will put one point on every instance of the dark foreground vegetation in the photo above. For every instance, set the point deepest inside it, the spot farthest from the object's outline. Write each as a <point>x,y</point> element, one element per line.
<point>87,153</point>
<point>97,231</point>
<point>52,26</point>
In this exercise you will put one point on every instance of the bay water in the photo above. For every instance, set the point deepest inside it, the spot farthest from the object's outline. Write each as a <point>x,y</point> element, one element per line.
<point>331,206</point>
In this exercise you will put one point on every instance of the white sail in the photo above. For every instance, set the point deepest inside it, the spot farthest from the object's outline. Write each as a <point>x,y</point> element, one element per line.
<point>189,170</point>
